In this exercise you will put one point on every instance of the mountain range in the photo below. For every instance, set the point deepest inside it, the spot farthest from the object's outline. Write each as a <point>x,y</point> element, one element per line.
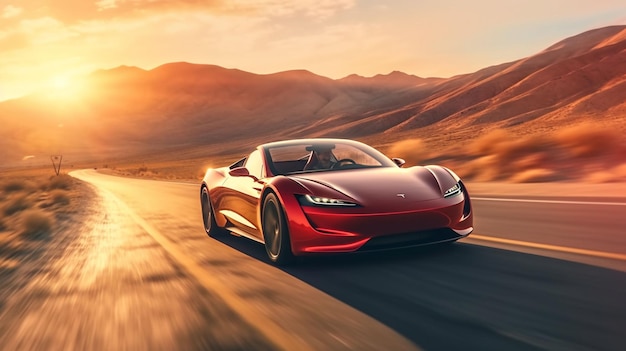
<point>189,110</point>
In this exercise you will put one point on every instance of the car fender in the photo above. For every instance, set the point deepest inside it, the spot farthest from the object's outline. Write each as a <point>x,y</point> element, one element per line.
<point>285,189</point>
<point>445,178</point>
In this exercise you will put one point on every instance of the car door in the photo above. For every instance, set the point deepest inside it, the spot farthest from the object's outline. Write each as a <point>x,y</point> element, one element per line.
<point>242,196</point>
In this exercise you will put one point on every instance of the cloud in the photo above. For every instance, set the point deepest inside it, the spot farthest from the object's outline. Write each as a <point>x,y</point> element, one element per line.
<point>278,8</point>
<point>46,30</point>
<point>246,8</point>
<point>76,11</point>
<point>10,11</point>
<point>106,4</point>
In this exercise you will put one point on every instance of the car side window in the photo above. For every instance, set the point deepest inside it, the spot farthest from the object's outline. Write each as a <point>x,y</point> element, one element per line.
<point>254,164</point>
<point>238,164</point>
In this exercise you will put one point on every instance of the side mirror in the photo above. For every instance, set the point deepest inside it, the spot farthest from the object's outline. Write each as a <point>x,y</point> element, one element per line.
<point>398,161</point>
<point>241,172</point>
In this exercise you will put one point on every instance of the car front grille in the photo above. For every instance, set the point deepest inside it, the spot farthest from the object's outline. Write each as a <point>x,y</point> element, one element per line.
<point>410,239</point>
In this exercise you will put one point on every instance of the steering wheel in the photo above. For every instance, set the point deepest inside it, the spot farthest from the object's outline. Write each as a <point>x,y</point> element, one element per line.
<point>342,162</point>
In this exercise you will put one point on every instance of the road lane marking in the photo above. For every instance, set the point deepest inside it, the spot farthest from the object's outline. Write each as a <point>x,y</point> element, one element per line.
<point>564,202</point>
<point>600,254</point>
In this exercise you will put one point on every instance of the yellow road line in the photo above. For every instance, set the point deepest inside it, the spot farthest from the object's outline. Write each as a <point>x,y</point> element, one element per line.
<point>601,254</point>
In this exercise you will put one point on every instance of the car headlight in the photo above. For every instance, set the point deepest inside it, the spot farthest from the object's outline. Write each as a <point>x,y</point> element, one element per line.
<point>455,190</point>
<point>312,200</point>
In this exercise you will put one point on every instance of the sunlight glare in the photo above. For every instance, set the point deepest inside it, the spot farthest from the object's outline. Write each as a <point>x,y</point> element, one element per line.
<point>65,88</point>
<point>61,82</point>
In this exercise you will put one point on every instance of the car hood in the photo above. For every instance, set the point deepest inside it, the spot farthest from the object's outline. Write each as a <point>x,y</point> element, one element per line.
<point>376,186</point>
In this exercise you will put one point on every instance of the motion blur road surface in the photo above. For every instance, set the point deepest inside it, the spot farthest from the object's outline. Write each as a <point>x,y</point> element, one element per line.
<point>539,273</point>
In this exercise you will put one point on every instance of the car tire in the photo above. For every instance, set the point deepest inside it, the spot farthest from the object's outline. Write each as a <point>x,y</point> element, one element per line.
<point>276,232</point>
<point>208,216</point>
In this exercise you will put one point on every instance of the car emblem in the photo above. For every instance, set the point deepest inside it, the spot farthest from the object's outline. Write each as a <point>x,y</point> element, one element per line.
<point>401,195</point>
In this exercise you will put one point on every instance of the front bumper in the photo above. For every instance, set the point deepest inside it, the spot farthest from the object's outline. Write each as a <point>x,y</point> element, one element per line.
<point>326,230</point>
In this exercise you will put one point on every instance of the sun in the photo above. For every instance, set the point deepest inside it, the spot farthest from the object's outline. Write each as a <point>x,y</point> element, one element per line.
<point>61,82</point>
<point>65,88</point>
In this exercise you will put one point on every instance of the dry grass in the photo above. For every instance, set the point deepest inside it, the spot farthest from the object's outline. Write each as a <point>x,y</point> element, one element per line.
<point>62,181</point>
<point>413,151</point>
<point>588,140</point>
<point>30,200</point>
<point>36,224</point>
<point>582,152</point>
<point>16,203</point>
<point>59,197</point>
<point>615,174</point>
<point>482,169</point>
<point>32,210</point>
<point>490,143</point>
<point>536,175</point>
<point>17,185</point>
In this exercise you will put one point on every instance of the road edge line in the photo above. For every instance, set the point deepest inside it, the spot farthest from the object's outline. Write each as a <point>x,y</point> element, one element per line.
<point>600,254</point>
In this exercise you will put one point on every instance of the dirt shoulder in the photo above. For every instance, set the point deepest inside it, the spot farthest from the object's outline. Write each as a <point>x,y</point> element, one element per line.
<point>35,209</point>
<point>40,217</point>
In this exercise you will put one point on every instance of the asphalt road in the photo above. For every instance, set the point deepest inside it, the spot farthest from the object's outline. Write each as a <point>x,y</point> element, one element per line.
<point>539,274</point>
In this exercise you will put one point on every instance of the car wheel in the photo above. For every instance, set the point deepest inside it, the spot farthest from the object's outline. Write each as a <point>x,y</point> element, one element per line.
<point>208,217</point>
<point>275,232</point>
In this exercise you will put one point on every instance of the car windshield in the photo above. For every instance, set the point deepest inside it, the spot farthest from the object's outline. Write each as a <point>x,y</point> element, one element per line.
<point>323,156</point>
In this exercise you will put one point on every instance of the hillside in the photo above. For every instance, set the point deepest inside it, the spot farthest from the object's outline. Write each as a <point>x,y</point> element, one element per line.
<point>187,109</point>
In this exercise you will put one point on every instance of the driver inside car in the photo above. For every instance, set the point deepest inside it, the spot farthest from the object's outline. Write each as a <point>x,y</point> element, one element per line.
<point>324,159</point>
<point>320,158</point>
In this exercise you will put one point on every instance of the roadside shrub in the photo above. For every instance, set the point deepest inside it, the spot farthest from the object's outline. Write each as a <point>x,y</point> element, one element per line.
<point>17,203</point>
<point>59,197</point>
<point>482,169</point>
<point>588,140</point>
<point>413,151</point>
<point>615,174</point>
<point>62,181</point>
<point>13,186</point>
<point>529,161</point>
<point>537,175</point>
<point>516,148</point>
<point>16,185</point>
<point>36,224</point>
<point>490,143</point>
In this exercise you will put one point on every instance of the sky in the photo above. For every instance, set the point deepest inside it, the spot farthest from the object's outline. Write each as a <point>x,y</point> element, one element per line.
<point>48,44</point>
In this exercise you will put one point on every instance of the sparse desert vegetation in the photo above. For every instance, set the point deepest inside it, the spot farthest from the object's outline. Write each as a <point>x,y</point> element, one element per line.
<point>35,224</point>
<point>32,206</point>
<point>413,151</point>
<point>583,152</point>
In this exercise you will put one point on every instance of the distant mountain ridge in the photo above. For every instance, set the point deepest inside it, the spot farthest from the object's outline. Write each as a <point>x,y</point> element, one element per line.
<point>128,110</point>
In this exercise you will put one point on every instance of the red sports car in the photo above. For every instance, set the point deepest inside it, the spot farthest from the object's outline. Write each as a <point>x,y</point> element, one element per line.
<point>310,196</point>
